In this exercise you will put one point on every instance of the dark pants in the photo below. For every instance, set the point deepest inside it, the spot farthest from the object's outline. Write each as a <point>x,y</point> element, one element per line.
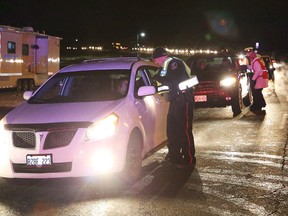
<point>258,99</point>
<point>179,130</point>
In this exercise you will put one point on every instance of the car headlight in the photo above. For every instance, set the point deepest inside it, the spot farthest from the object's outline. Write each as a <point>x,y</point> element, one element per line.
<point>227,82</point>
<point>103,128</point>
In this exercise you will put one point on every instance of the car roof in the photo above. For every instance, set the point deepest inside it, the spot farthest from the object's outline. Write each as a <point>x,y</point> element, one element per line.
<point>199,56</point>
<point>118,63</point>
<point>213,55</point>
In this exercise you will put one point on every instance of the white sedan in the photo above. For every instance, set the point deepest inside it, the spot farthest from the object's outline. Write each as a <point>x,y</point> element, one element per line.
<point>97,117</point>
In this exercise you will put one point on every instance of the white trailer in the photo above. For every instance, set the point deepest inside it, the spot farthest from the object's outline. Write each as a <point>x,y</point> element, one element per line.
<point>27,58</point>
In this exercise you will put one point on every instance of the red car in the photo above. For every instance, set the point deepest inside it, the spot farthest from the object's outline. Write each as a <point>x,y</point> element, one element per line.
<point>222,82</point>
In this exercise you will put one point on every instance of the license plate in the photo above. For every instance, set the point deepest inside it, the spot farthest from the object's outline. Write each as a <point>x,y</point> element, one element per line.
<point>200,98</point>
<point>38,160</point>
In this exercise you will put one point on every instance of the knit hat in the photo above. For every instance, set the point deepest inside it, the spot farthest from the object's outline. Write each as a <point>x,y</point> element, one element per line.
<point>159,52</point>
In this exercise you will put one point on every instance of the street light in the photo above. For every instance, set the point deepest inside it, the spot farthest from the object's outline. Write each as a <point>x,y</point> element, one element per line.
<point>142,34</point>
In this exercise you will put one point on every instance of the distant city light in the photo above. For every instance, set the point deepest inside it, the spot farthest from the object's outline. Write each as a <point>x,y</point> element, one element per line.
<point>142,34</point>
<point>96,48</point>
<point>71,48</point>
<point>143,49</point>
<point>185,51</point>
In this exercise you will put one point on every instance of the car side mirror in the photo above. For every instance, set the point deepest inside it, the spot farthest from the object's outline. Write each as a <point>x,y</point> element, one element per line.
<point>27,95</point>
<point>146,90</point>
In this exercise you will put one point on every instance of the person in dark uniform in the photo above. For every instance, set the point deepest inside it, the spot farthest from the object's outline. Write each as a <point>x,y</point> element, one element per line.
<point>181,148</point>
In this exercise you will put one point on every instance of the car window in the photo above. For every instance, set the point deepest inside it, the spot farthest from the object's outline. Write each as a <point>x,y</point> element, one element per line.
<point>84,86</point>
<point>151,72</point>
<point>139,81</point>
<point>143,77</point>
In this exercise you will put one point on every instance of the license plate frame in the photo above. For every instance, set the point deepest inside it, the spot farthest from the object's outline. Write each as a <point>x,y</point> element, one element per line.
<point>200,98</point>
<point>39,160</point>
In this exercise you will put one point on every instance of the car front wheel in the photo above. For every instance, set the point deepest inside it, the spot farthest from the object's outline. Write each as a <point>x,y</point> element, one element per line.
<point>237,102</point>
<point>248,99</point>
<point>133,163</point>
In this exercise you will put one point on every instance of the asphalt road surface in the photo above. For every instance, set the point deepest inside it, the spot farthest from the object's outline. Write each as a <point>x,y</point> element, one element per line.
<point>241,169</point>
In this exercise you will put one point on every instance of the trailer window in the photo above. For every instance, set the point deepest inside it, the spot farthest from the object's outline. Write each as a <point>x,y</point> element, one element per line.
<point>11,47</point>
<point>25,49</point>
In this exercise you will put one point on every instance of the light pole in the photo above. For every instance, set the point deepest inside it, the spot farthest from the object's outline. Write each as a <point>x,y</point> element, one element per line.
<point>142,34</point>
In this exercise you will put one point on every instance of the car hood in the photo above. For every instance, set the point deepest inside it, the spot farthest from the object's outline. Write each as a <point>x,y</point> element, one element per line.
<point>213,75</point>
<point>61,112</point>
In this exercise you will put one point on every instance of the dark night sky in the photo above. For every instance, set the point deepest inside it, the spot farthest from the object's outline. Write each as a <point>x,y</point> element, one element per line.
<point>182,23</point>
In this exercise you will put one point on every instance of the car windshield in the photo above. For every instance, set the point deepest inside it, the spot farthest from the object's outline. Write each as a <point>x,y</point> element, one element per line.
<point>211,65</point>
<point>219,63</point>
<point>84,86</point>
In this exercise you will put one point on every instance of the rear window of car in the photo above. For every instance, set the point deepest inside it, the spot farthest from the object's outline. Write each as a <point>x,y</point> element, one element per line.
<point>84,86</point>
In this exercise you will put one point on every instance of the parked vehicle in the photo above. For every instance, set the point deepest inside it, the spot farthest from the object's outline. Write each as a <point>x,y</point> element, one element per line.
<point>269,65</point>
<point>222,81</point>
<point>97,117</point>
<point>27,58</point>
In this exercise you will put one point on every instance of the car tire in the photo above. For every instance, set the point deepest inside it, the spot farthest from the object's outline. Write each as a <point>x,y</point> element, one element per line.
<point>237,102</point>
<point>31,84</point>
<point>248,99</point>
<point>24,83</point>
<point>19,85</point>
<point>133,163</point>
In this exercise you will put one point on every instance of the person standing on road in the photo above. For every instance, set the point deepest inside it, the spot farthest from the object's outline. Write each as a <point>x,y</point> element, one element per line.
<point>181,148</point>
<point>259,80</point>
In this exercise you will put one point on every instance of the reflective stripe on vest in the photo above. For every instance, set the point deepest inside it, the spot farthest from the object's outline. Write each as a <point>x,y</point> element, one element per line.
<point>164,70</point>
<point>166,63</point>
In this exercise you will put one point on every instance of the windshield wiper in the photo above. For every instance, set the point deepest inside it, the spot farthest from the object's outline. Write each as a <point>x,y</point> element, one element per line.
<point>56,99</point>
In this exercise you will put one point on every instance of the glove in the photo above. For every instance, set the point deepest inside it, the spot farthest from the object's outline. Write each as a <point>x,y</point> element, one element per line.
<point>252,83</point>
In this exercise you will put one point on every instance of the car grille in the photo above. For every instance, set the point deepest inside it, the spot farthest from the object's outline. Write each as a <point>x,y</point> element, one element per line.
<point>24,139</point>
<point>55,167</point>
<point>57,139</point>
<point>54,139</point>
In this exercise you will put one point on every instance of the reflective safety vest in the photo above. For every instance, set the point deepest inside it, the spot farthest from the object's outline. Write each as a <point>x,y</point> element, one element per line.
<point>186,84</point>
<point>265,73</point>
<point>165,66</point>
<point>166,63</point>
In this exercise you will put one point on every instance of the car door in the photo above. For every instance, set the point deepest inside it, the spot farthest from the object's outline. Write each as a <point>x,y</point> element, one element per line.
<point>162,106</point>
<point>152,109</point>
